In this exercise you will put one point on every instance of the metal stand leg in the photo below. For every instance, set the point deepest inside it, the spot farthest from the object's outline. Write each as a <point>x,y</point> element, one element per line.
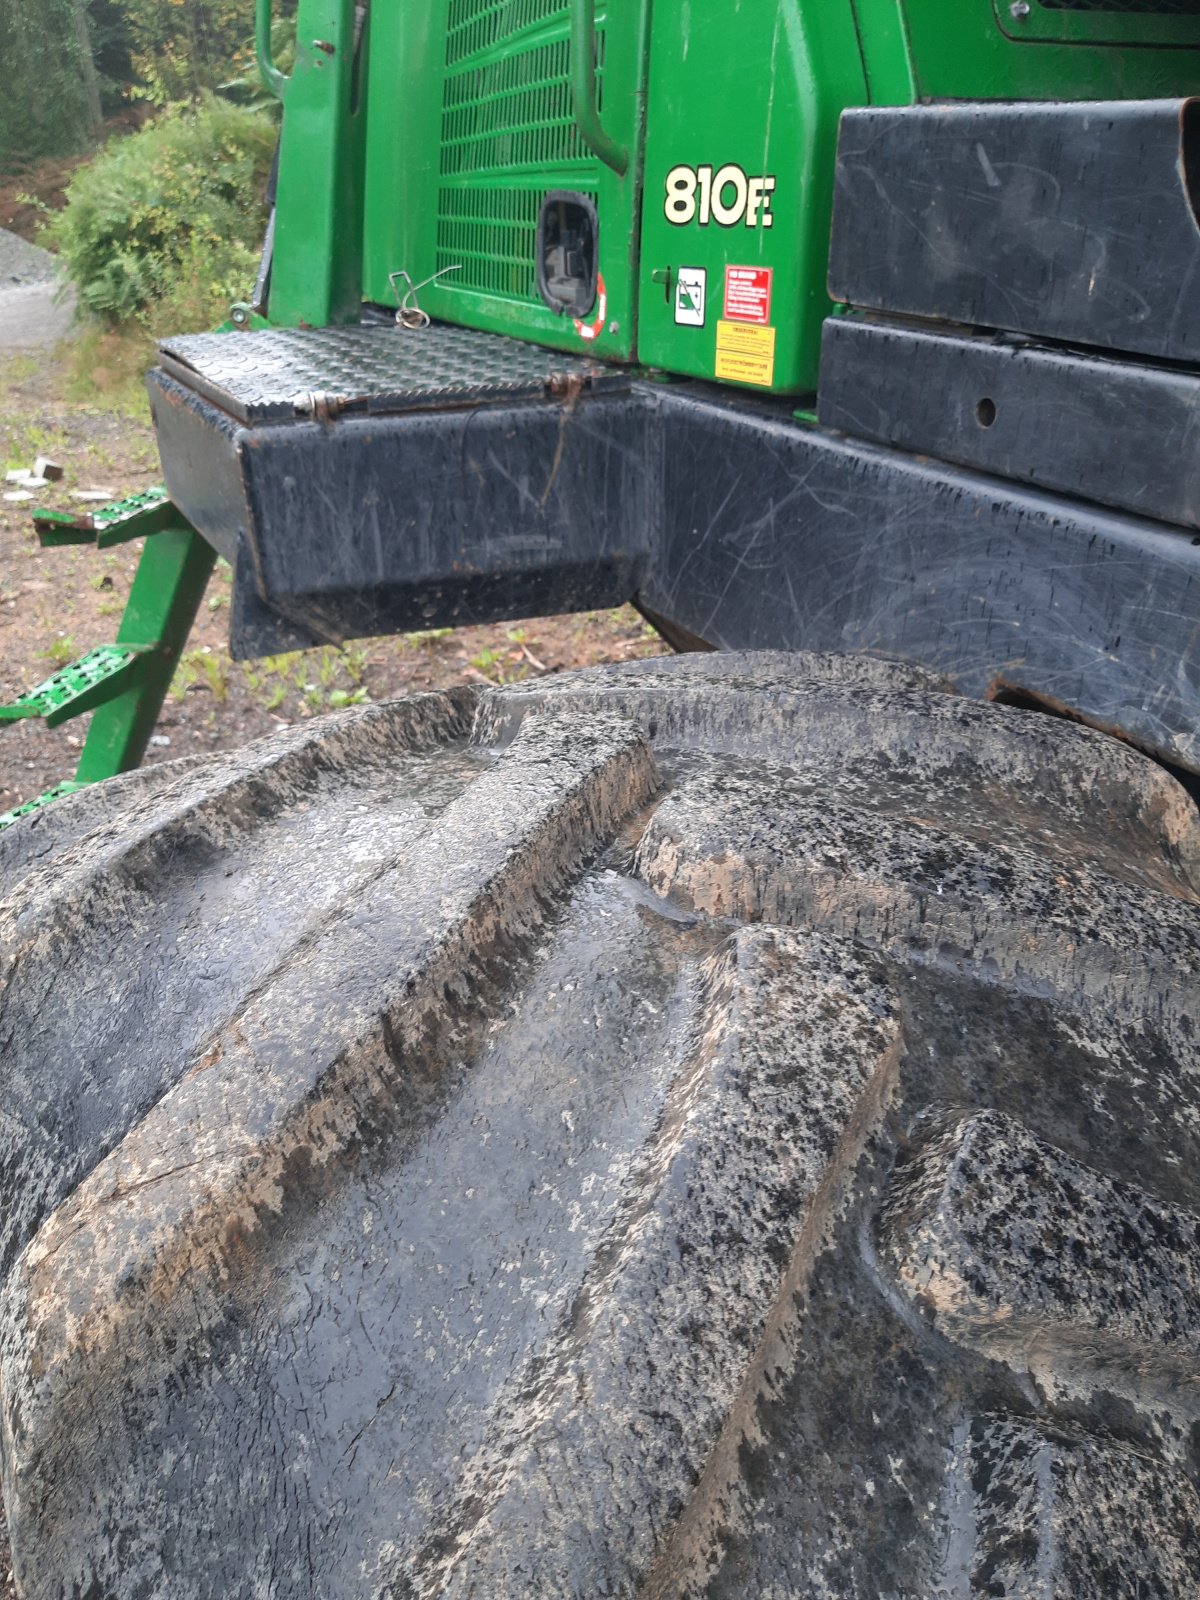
<point>167,589</point>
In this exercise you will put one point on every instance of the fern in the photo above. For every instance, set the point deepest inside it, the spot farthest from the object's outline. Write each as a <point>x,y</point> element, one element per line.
<point>168,219</point>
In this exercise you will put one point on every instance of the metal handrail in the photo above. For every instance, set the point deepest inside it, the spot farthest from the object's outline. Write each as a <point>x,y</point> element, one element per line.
<point>583,88</point>
<point>274,80</point>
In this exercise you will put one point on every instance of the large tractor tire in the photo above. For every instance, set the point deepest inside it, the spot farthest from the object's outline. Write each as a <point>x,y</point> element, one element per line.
<point>720,1127</point>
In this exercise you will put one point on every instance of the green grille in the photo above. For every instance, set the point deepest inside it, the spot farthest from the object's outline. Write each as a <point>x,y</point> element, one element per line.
<point>491,234</point>
<point>513,113</point>
<point>503,116</point>
<point>476,25</point>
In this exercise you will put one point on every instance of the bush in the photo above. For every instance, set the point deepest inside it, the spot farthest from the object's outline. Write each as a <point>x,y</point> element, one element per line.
<point>165,225</point>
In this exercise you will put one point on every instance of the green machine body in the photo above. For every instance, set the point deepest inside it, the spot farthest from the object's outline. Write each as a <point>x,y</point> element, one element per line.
<point>644,180</point>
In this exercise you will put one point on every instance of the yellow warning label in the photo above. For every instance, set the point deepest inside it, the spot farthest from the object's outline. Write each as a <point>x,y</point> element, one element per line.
<point>745,354</point>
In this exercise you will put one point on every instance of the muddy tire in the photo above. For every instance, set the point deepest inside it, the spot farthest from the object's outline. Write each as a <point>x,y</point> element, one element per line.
<point>726,1127</point>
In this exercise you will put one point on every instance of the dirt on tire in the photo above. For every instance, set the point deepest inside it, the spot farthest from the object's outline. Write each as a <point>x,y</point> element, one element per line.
<point>720,1126</point>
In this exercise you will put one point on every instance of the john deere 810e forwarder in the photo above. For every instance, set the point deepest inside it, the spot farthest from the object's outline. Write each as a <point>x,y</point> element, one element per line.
<point>718,1127</point>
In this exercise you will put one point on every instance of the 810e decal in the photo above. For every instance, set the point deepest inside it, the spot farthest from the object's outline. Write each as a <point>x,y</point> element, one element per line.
<point>725,196</point>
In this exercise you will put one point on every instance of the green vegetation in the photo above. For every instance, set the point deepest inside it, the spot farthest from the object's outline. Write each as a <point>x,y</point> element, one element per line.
<point>61,651</point>
<point>424,638</point>
<point>51,103</point>
<point>164,225</point>
<point>24,441</point>
<point>178,49</point>
<point>326,679</point>
<point>70,64</point>
<point>201,668</point>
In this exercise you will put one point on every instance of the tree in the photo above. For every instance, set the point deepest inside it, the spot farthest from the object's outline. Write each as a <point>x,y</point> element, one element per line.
<point>70,63</point>
<point>87,68</point>
<point>112,52</point>
<point>180,48</point>
<point>51,100</point>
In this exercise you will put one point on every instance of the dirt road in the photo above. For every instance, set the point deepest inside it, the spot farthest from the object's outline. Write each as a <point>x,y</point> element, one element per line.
<point>36,311</point>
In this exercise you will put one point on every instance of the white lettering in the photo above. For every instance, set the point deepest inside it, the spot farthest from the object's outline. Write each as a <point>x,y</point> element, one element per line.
<point>728,215</point>
<point>726,198</point>
<point>681,195</point>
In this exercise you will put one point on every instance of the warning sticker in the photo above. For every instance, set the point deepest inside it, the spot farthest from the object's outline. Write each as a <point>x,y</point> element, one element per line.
<point>748,294</point>
<point>689,296</point>
<point>745,354</point>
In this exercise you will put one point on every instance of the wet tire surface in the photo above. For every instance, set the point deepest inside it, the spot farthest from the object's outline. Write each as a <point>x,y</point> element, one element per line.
<point>714,1127</point>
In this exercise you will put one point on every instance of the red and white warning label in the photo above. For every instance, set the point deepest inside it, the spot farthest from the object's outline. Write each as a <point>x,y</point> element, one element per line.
<point>748,294</point>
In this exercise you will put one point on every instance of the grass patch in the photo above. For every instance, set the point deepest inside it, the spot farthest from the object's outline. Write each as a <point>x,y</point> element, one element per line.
<point>326,679</point>
<point>61,651</point>
<point>107,366</point>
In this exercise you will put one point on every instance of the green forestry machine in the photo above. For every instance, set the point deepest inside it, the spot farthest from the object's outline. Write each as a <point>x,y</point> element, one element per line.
<point>726,1125</point>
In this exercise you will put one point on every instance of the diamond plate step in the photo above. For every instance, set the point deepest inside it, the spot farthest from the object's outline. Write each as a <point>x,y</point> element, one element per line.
<point>297,373</point>
<point>99,676</point>
<point>134,517</point>
<point>7,818</point>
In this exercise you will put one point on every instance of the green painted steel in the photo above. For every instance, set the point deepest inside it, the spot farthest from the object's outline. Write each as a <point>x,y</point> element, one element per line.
<point>472,123</point>
<point>118,522</point>
<point>100,675</point>
<point>994,50</point>
<point>168,586</point>
<point>964,51</point>
<point>1074,23</point>
<point>7,818</point>
<point>584,104</point>
<point>272,78</point>
<point>317,273</point>
<point>134,517</point>
<point>479,108</point>
<point>124,684</point>
<point>55,529</point>
<point>753,96</point>
<point>740,147</point>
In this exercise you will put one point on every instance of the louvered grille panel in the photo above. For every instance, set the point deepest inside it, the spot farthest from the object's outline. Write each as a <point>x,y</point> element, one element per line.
<point>508,111</point>
<point>491,235</point>
<point>514,112</point>
<point>476,25</point>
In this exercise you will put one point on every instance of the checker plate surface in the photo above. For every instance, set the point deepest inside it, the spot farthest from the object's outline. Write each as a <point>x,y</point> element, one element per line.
<point>273,374</point>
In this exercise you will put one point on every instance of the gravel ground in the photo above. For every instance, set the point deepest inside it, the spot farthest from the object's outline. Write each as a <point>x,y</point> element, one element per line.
<point>35,311</point>
<point>23,263</point>
<point>34,316</point>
